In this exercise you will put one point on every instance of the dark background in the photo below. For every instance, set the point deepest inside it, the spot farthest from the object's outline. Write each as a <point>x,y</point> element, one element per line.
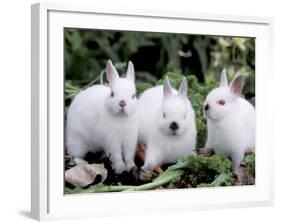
<point>154,54</point>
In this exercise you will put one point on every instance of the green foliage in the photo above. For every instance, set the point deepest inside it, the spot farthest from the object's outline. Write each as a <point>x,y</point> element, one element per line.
<point>224,179</point>
<point>70,90</point>
<point>68,162</point>
<point>197,93</point>
<point>201,171</point>
<point>173,174</point>
<point>210,171</point>
<point>249,162</point>
<point>142,87</point>
<point>237,55</point>
<point>154,54</point>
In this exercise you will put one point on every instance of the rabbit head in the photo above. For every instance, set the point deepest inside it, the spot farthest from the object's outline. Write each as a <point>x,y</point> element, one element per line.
<point>121,100</point>
<point>222,101</point>
<point>175,110</point>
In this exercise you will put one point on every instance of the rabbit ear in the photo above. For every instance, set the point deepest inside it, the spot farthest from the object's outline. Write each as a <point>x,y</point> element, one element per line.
<point>167,87</point>
<point>111,72</point>
<point>183,87</point>
<point>130,72</point>
<point>223,80</point>
<point>237,84</point>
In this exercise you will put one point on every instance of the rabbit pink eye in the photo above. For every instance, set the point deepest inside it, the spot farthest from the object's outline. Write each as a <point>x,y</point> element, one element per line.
<point>112,94</point>
<point>221,102</point>
<point>164,115</point>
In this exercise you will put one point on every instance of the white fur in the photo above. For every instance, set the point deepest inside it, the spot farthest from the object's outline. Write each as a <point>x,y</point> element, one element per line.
<point>154,132</point>
<point>95,121</point>
<point>231,127</point>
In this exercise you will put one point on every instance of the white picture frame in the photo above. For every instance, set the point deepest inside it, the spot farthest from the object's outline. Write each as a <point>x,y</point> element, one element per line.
<point>48,200</point>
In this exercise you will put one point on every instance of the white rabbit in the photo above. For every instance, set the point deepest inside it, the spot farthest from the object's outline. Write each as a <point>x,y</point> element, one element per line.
<point>231,120</point>
<point>166,124</point>
<point>105,118</point>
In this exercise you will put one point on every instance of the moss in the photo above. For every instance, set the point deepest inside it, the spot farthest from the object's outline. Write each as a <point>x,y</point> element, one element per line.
<point>200,171</point>
<point>224,179</point>
<point>204,171</point>
<point>174,78</point>
<point>141,87</point>
<point>249,163</point>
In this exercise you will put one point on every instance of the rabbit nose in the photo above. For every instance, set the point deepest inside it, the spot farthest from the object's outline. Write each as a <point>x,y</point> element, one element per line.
<point>207,107</point>
<point>122,103</point>
<point>174,126</point>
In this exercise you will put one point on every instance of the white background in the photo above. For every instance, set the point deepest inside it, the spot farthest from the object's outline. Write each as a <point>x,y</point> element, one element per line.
<point>15,110</point>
